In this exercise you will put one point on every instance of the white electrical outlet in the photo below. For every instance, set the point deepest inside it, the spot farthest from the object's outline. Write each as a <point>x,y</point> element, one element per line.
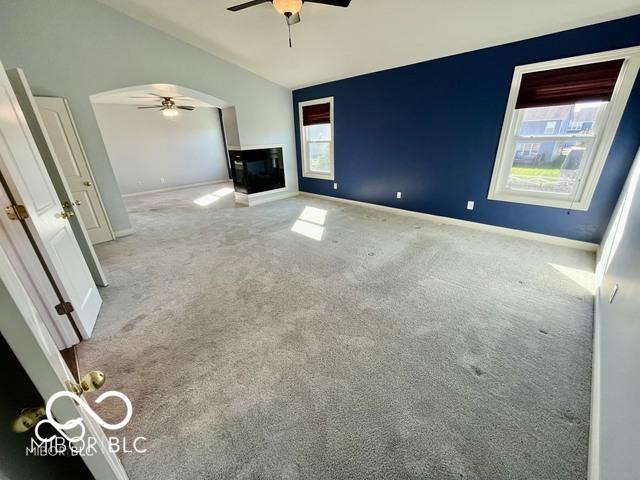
<point>162,180</point>
<point>399,195</point>
<point>470,204</point>
<point>335,186</point>
<point>139,182</point>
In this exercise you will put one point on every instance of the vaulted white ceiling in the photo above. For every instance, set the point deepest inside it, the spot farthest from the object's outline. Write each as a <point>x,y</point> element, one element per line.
<point>332,43</point>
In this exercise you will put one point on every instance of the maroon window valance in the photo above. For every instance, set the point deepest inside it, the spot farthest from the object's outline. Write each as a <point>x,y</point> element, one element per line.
<point>566,86</point>
<point>316,114</point>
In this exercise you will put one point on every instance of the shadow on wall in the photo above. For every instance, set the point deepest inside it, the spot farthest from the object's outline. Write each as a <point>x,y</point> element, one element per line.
<point>161,136</point>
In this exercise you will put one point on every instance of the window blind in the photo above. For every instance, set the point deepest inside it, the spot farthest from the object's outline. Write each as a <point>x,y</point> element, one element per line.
<point>316,114</point>
<point>566,86</point>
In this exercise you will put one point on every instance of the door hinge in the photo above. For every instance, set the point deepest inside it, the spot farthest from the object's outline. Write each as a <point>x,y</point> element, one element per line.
<point>16,212</point>
<point>64,308</point>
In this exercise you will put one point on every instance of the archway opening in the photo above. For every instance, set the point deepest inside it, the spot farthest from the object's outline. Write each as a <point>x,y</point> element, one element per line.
<point>161,137</point>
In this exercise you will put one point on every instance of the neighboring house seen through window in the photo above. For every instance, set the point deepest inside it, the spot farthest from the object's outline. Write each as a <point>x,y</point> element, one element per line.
<point>316,137</point>
<point>560,122</point>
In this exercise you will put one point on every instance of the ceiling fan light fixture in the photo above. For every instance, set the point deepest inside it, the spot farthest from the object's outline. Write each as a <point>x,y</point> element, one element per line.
<point>170,112</point>
<point>287,7</point>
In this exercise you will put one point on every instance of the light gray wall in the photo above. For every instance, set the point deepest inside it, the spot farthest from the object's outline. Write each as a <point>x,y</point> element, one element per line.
<point>616,430</point>
<point>149,151</point>
<point>78,48</point>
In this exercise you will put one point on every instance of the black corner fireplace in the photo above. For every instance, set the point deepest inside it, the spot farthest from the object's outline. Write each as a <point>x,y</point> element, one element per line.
<point>258,170</point>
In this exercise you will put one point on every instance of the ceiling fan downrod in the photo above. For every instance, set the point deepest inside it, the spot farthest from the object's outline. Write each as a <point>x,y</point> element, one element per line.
<point>288,16</point>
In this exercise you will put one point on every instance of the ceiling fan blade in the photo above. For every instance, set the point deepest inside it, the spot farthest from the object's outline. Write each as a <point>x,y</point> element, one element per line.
<point>335,3</point>
<point>186,107</point>
<point>242,6</point>
<point>155,106</point>
<point>293,19</point>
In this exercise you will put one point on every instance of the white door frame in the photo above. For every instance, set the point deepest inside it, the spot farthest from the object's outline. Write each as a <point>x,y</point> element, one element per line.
<point>36,125</point>
<point>31,343</point>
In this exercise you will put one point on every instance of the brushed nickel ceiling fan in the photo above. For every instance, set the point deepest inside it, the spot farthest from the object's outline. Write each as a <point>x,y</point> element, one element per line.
<point>167,106</point>
<point>289,8</point>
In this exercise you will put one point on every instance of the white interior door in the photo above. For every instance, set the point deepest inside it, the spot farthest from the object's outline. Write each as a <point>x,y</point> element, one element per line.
<point>34,278</point>
<point>47,153</point>
<point>66,143</point>
<point>28,184</point>
<point>23,330</point>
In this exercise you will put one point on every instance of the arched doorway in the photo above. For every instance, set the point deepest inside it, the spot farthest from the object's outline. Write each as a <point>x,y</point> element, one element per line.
<point>164,136</point>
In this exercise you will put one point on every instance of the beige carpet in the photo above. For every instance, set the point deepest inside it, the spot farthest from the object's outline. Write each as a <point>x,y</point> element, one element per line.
<point>360,344</point>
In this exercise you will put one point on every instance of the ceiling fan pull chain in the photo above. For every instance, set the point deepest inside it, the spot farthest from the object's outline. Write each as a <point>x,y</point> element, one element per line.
<point>289,26</point>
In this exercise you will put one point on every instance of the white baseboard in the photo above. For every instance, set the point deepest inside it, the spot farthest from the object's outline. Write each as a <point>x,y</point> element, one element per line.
<point>123,233</point>
<point>178,187</point>
<point>564,242</point>
<point>263,197</point>
<point>593,469</point>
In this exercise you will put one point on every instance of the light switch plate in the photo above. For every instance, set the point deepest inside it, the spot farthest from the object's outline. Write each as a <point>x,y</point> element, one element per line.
<point>471,204</point>
<point>399,195</point>
<point>335,186</point>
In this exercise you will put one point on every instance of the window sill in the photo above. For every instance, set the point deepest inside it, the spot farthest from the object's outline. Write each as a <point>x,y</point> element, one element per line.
<point>582,205</point>
<point>318,176</point>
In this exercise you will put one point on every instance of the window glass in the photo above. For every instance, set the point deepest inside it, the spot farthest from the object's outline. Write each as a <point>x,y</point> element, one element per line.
<point>552,166</point>
<point>319,132</point>
<point>580,118</point>
<point>319,157</point>
<point>546,166</point>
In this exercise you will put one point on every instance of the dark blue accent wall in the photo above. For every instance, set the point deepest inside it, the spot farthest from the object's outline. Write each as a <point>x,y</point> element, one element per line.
<point>431,130</point>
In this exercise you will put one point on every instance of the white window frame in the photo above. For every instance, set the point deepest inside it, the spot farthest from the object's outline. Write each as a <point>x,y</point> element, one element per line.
<point>607,126</point>
<point>306,170</point>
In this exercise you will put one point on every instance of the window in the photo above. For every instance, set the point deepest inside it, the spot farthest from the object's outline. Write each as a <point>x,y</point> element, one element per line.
<point>560,122</point>
<point>527,149</point>
<point>550,128</point>
<point>316,137</point>
<point>575,127</point>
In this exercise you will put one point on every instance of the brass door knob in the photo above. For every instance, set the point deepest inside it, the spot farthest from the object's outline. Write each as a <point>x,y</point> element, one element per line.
<point>89,383</point>
<point>87,184</point>
<point>67,215</point>
<point>27,419</point>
